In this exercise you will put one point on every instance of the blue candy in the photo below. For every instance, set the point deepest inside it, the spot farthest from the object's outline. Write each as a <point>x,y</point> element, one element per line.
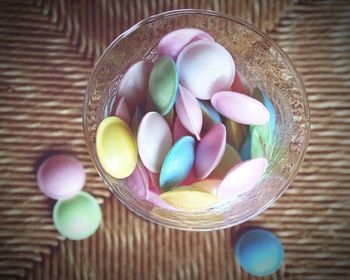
<point>259,252</point>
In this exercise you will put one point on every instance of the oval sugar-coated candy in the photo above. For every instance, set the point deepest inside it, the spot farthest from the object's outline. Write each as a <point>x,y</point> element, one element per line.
<point>154,198</point>
<point>116,147</point>
<point>61,177</point>
<point>122,111</point>
<point>78,217</point>
<point>138,181</point>
<point>242,178</point>
<point>208,185</point>
<point>259,252</point>
<point>134,84</point>
<point>154,182</point>
<point>189,112</point>
<point>179,130</point>
<point>210,116</point>
<point>190,179</point>
<point>240,108</point>
<point>256,146</point>
<point>154,140</point>
<point>210,151</point>
<point>177,164</point>
<point>236,133</point>
<point>205,67</point>
<point>229,160</point>
<point>238,85</point>
<point>172,43</point>
<point>189,198</point>
<point>163,85</point>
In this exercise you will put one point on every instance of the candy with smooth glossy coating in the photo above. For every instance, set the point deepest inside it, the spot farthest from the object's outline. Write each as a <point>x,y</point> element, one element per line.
<point>154,140</point>
<point>172,43</point>
<point>236,133</point>
<point>256,148</point>
<point>116,147</point>
<point>163,85</point>
<point>179,130</point>
<point>178,163</point>
<point>189,198</point>
<point>259,252</point>
<point>134,84</point>
<point>189,112</point>
<point>122,110</point>
<point>242,178</point>
<point>61,177</point>
<point>205,67</point>
<point>240,108</point>
<point>138,181</point>
<point>77,218</point>
<point>208,185</point>
<point>210,116</point>
<point>154,182</point>
<point>157,201</point>
<point>230,159</point>
<point>246,149</point>
<point>190,179</point>
<point>210,151</point>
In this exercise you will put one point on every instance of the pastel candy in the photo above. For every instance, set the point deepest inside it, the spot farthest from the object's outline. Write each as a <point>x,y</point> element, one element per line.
<point>240,108</point>
<point>205,67</point>
<point>154,182</point>
<point>157,201</point>
<point>229,160</point>
<point>242,178</point>
<point>178,163</point>
<point>122,111</point>
<point>179,130</point>
<point>116,147</point>
<point>210,151</point>
<point>191,178</point>
<point>61,177</point>
<point>163,85</point>
<point>208,185</point>
<point>238,85</point>
<point>189,198</point>
<point>259,252</point>
<point>210,116</point>
<point>134,84</point>
<point>138,181</point>
<point>257,149</point>
<point>236,133</point>
<point>154,140</point>
<point>189,112</point>
<point>172,43</point>
<point>136,119</point>
<point>78,217</point>
<point>245,152</point>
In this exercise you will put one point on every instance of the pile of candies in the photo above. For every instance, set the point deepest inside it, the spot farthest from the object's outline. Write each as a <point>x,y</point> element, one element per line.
<point>178,123</point>
<point>76,214</point>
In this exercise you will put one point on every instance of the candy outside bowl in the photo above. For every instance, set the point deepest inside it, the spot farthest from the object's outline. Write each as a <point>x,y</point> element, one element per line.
<point>260,62</point>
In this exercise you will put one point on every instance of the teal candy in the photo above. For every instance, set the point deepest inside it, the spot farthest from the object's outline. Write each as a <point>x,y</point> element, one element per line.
<point>259,252</point>
<point>178,163</point>
<point>256,147</point>
<point>78,217</point>
<point>267,102</point>
<point>163,85</point>
<point>210,115</point>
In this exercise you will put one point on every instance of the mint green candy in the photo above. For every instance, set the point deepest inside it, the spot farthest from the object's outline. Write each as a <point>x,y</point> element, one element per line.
<point>78,217</point>
<point>257,149</point>
<point>163,85</point>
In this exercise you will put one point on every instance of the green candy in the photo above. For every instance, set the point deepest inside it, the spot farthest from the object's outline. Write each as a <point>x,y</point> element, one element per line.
<point>256,149</point>
<point>77,218</point>
<point>163,85</point>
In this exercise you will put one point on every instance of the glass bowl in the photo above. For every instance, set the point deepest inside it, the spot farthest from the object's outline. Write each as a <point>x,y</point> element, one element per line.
<point>262,63</point>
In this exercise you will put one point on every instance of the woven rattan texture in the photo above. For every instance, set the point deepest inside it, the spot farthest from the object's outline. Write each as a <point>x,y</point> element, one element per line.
<point>47,51</point>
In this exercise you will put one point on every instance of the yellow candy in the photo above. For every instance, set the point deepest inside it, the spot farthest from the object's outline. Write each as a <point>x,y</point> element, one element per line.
<point>236,133</point>
<point>189,198</point>
<point>229,160</point>
<point>208,185</point>
<point>116,147</point>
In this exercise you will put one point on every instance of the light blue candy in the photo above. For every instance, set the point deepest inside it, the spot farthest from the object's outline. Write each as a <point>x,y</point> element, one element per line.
<point>245,151</point>
<point>178,163</point>
<point>259,252</point>
<point>210,115</point>
<point>268,104</point>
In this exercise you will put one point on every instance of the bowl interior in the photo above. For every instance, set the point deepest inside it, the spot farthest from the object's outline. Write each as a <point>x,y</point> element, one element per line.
<point>262,63</point>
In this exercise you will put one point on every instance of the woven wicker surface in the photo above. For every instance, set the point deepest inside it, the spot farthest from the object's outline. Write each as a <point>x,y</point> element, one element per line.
<point>47,51</point>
